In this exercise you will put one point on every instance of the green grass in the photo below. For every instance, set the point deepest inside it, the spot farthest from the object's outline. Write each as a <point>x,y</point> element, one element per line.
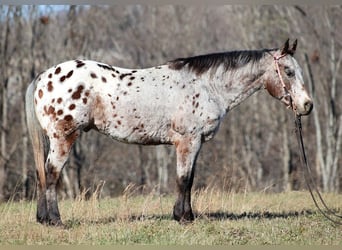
<point>222,219</point>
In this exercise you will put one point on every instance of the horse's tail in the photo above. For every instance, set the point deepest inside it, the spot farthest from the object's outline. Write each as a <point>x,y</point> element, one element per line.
<point>39,140</point>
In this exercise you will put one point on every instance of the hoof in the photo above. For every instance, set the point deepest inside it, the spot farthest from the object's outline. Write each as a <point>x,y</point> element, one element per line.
<point>47,222</point>
<point>185,219</point>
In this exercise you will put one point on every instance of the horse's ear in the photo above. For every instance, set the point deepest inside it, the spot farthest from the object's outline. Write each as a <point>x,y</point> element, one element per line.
<point>293,49</point>
<point>285,48</point>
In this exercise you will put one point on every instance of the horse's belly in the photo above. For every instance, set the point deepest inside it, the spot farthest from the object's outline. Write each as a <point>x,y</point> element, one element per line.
<point>135,129</point>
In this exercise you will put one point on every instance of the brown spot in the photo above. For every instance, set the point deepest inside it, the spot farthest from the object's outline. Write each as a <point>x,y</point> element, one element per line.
<point>124,75</point>
<point>182,147</point>
<point>79,63</point>
<point>58,70</point>
<point>93,75</point>
<point>77,93</point>
<point>105,66</point>
<point>85,100</point>
<point>55,136</point>
<point>103,79</point>
<point>72,106</point>
<point>68,118</point>
<point>59,100</point>
<point>53,100</point>
<point>125,93</point>
<point>40,93</point>
<point>69,90</point>
<point>51,110</point>
<point>132,78</point>
<point>50,87</point>
<point>113,75</point>
<point>197,95</point>
<point>273,89</point>
<point>129,84</point>
<point>62,79</point>
<point>66,124</point>
<point>119,122</point>
<point>86,93</point>
<point>50,75</point>
<point>69,74</point>
<point>60,112</point>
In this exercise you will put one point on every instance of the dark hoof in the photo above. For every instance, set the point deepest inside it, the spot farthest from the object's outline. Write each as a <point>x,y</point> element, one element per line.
<point>185,219</point>
<point>47,222</point>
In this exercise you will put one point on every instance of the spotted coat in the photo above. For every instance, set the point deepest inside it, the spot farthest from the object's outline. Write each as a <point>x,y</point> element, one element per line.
<point>180,103</point>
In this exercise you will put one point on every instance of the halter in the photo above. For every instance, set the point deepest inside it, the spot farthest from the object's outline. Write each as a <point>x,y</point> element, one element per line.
<point>276,62</point>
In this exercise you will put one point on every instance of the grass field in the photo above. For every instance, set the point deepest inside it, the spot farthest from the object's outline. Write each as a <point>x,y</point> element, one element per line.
<point>221,219</point>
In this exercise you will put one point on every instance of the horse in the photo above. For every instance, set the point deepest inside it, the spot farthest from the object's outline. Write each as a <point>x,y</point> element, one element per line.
<point>180,103</point>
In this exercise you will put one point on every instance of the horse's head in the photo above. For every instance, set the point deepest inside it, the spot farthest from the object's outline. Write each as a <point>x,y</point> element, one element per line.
<point>284,80</point>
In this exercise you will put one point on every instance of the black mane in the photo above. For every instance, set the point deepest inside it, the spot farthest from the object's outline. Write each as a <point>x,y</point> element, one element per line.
<point>230,60</point>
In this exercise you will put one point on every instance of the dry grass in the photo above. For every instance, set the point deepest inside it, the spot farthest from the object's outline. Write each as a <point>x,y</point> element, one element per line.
<point>222,218</point>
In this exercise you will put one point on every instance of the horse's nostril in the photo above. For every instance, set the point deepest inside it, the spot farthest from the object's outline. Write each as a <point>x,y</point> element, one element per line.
<point>308,105</point>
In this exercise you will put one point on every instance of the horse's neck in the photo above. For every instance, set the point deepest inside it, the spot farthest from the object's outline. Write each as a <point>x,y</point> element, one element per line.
<point>234,86</point>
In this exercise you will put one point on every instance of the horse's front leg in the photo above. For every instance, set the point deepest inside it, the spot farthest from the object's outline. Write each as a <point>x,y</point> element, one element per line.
<point>187,149</point>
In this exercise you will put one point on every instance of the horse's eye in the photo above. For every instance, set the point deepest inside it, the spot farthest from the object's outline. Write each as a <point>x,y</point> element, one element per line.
<point>289,72</point>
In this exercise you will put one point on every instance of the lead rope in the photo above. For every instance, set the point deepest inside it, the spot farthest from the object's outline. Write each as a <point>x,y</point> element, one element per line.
<point>308,173</point>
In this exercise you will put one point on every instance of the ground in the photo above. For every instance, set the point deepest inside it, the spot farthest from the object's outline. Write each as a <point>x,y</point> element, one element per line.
<point>222,218</point>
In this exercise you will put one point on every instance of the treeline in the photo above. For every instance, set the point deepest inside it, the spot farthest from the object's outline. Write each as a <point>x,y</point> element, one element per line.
<point>255,148</point>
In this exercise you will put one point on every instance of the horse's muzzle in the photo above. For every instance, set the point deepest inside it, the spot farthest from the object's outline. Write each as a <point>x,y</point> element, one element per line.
<point>306,108</point>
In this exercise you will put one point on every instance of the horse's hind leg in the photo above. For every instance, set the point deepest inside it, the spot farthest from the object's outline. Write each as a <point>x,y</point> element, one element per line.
<point>57,157</point>
<point>187,150</point>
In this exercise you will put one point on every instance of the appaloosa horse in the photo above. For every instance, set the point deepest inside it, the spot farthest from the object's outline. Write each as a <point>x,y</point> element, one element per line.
<point>181,102</point>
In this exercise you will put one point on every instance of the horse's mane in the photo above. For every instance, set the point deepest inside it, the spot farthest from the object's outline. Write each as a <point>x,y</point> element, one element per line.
<point>230,60</point>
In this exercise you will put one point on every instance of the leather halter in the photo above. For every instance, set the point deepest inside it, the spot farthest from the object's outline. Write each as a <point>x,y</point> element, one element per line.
<point>288,94</point>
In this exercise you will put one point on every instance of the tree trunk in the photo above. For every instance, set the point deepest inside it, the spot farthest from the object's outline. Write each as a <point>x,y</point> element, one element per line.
<point>4,104</point>
<point>287,169</point>
<point>328,158</point>
<point>163,160</point>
